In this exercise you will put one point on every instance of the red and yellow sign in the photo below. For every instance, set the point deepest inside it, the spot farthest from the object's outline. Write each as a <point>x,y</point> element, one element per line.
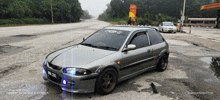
<point>132,13</point>
<point>211,6</point>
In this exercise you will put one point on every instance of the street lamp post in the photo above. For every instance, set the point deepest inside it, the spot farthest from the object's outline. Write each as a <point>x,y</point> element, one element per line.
<point>183,17</point>
<point>51,11</point>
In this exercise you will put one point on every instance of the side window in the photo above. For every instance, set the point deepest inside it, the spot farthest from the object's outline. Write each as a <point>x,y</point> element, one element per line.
<point>155,37</point>
<point>140,40</point>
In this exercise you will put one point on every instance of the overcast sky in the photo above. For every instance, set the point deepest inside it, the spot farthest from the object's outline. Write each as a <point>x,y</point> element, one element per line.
<point>95,7</point>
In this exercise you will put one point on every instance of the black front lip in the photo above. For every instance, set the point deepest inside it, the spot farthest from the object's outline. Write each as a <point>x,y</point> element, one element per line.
<point>89,78</point>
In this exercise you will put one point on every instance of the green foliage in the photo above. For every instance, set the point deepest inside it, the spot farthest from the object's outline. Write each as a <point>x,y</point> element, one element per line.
<point>31,11</point>
<point>117,20</point>
<point>141,21</point>
<point>186,19</point>
<point>161,18</point>
<point>156,11</point>
<point>23,21</point>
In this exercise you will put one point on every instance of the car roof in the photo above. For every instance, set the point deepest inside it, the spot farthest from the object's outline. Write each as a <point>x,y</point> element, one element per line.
<point>128,28</point>
<point>167,22</point>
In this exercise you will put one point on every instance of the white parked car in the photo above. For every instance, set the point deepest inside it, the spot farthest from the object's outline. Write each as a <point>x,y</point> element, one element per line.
<point>167,27</point>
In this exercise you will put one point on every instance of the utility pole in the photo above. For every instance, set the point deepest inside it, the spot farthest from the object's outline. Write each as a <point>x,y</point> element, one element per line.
<point>183,16</point>
<point>51,11</point>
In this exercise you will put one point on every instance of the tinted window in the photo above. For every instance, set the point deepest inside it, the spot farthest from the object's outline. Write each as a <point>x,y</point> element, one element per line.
<point>107,39</point>
<point>155,37</point>
<point>140,40</point>
<point>168,24</point>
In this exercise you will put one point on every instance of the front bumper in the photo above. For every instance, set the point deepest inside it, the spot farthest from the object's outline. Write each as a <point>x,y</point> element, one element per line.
<point>75,84</point>
<point>169,30</point>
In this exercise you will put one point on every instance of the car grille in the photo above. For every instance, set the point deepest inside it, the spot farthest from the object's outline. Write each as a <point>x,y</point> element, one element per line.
<point>54,66</point>
<point>171,28</point>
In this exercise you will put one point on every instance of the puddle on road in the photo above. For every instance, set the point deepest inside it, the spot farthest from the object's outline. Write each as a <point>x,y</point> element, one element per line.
<point>214,64</point>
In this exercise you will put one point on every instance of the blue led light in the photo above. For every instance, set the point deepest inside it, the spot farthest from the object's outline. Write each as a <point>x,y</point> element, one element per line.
<point>44,72</point>
<point>45,63</point>
<point>64,82</point>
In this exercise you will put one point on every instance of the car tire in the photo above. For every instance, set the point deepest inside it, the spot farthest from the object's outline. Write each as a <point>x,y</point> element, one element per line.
<point>162,64</point>
<point>106,81</point>
<point>162,30</point>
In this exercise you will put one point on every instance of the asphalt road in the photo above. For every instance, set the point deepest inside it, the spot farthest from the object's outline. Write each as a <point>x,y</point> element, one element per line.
<point>193,71</point>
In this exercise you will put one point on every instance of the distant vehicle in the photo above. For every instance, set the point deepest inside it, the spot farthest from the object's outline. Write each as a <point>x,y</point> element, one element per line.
<point>167,27</point>
<point>108,56</point>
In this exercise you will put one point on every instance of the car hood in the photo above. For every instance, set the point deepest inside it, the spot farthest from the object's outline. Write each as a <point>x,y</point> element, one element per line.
<point>77,56</point>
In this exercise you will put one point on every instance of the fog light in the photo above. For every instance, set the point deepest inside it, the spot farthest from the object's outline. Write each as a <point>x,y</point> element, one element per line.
<point>64,82</point>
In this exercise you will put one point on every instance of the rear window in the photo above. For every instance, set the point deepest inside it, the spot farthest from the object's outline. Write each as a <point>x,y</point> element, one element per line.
<point>155,37</point>
<point>168,24</point>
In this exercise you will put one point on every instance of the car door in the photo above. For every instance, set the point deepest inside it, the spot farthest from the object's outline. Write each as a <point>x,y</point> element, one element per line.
<point>157,44</point>
<point>135,60</point>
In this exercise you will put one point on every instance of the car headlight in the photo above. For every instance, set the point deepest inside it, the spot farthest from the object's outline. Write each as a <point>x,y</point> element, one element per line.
<point>77,71</point>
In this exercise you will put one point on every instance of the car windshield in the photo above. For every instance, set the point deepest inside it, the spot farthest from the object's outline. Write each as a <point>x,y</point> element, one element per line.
<point>107,39</point>
<point>168,24</point>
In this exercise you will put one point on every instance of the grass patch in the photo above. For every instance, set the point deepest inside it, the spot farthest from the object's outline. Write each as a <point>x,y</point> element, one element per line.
<point>22,22</point>
<point>26,22</point>
<point>13,25</point>
<point>116,21</point>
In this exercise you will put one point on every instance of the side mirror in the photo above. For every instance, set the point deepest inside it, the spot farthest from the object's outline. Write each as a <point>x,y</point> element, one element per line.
<point>84,38</point>
<point>130,47</point>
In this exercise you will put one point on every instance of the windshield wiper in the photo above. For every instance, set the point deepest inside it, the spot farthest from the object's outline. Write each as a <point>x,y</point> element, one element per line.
<point>107,47</point>
<point>87,44</point>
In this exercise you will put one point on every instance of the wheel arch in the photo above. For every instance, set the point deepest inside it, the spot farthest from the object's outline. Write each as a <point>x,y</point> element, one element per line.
<point>163,52</point>
<point>110,66</point>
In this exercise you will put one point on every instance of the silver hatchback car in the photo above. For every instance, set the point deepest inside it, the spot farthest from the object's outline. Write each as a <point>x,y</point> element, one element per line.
<point>108,56</point>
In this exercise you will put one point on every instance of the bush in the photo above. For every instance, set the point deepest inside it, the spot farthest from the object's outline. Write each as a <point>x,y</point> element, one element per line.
<point>24,21</point>
<point>33,21</point>
<point>141,21</point>
<point>161,18</point>
<point>118,20</point>
<point>5,21</point>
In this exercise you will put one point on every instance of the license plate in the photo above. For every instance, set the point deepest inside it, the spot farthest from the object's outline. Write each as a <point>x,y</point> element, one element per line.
<point>52,74</point>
